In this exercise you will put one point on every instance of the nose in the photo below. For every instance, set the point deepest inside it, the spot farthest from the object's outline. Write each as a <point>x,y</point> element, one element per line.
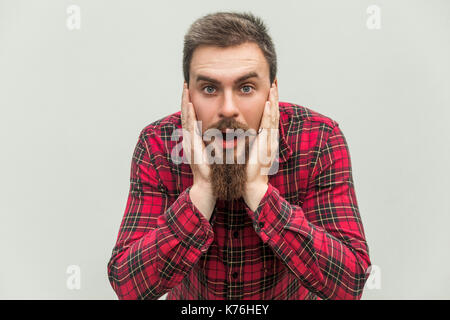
<point>228,108</point>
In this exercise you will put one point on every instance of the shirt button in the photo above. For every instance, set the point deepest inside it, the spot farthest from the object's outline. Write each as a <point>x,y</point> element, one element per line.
<point>235,234</point>
<point>261,224</point>
<point>235,275</point>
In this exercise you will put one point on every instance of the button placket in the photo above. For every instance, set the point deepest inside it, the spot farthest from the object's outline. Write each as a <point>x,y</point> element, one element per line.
<point>236,218</point>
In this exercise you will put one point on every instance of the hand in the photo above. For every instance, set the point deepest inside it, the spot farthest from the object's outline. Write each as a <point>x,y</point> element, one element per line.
<point>265,146</point>
<point>263,152</point>
<point>193,146</point>
<point>194,150</point>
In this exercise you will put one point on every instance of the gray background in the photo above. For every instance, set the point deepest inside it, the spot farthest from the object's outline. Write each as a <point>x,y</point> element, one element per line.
<point>74,101</point>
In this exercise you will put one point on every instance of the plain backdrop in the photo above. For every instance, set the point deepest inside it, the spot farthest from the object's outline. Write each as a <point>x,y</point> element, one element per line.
<point>73,103</point>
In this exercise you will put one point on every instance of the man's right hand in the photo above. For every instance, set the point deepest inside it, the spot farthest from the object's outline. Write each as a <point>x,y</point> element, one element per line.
<point>194,149</point>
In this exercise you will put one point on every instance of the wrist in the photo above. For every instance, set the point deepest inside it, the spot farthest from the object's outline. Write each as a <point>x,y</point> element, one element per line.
<point>254,192</point>
<point>203,199</point>
<point>204,187</point>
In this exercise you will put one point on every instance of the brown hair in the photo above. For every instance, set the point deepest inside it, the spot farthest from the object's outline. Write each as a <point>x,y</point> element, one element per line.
<point>226,29</point>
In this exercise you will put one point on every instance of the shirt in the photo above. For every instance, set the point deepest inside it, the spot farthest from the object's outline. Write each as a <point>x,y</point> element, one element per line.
<point>304,241</point>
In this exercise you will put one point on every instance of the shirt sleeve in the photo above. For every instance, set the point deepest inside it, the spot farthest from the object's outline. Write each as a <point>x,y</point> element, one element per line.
<point>158,242</point>
<point>322,241</point>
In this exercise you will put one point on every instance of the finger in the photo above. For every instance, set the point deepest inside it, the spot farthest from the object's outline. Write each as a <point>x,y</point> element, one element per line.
<point>276,112</point>
<point>188,95</point>
<point>184,95</point>
<point>192,117</point>
<point>194,128</point>
<point>263,137</point>
<point>191,139</point>
<point>275,96</point>
<point>265,120</point>
<point>187,120</point>
<point>197,142</point>
<point>184,111</point>
<point>275,92</point>
<point>274,106</point>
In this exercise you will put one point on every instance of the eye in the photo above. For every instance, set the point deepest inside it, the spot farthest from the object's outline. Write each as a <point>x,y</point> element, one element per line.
<point>247,89</point>
<point>209,89</point>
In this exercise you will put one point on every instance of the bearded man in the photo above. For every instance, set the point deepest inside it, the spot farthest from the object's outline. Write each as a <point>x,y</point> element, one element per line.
<point>263,204</point>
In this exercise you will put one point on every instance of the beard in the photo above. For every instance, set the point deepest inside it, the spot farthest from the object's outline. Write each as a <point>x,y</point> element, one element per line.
<point>228,179</point>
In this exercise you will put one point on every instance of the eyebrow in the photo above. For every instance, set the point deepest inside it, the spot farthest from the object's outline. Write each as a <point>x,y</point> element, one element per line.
<point>240,79</point>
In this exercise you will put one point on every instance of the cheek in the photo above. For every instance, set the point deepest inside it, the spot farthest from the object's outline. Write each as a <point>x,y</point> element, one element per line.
<point>204,113</point>
<point>253,116</point>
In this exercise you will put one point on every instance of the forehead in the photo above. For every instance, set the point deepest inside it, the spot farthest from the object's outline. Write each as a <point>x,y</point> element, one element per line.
<point>229,62</point>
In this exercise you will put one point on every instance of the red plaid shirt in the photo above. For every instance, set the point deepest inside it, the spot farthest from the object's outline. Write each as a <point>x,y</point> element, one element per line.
<point>304,241</point>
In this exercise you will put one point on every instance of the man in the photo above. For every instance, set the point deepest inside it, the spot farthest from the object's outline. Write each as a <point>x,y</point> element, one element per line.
<point>234,230</point>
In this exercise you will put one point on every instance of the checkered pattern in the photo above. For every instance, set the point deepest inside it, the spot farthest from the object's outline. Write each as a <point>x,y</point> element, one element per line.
<point>304,241</point>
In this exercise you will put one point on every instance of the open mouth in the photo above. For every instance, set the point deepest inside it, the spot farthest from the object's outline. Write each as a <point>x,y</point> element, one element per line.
<point>230,140</point>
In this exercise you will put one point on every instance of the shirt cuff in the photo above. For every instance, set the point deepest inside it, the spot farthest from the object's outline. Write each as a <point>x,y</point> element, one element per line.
<point>271,215</point>
<point>188,224</point>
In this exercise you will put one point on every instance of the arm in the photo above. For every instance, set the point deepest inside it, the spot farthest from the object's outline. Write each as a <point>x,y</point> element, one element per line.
<point>158,243</point>
<point>322,242</point>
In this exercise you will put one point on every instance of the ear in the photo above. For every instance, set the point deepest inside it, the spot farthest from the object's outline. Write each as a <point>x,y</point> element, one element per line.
<point>275,81</point>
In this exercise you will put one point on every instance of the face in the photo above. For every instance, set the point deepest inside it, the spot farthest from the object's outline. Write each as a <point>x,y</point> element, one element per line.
<point>231,82</point>
<point>228,88</point>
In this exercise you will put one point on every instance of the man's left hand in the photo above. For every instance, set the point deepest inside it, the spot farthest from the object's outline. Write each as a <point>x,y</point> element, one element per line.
<point>263,152</point>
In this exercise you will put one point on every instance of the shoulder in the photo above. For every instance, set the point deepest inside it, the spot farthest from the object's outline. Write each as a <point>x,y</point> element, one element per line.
<point>304,130</point>
<point>163,126</point>
<point>291,112</point>
<point>163,129</point>
<point>161,136</point>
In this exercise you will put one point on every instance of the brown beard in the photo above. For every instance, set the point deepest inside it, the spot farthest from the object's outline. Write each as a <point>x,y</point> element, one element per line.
<point>228,180</point>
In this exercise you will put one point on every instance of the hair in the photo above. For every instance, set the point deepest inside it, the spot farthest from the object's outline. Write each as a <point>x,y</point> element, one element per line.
<point>227,29</point>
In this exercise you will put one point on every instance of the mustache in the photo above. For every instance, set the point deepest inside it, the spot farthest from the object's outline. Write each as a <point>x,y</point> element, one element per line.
<point>228,124</point>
